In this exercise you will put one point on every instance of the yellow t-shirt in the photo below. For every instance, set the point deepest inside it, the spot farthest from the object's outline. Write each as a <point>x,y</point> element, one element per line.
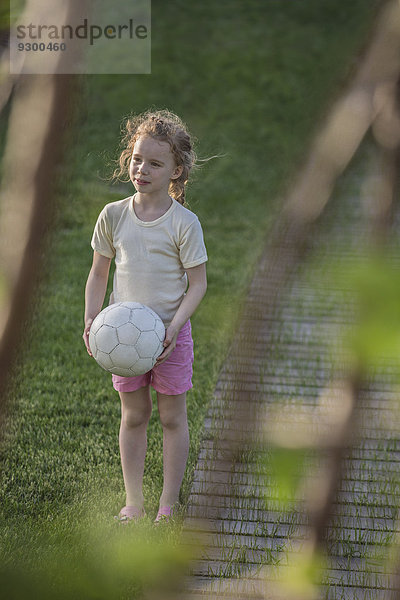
<point>150,257</point>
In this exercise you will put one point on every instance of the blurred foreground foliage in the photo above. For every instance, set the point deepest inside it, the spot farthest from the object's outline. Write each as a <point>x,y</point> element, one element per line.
<point>375,338</point>
<point>287,467</point>
<point>95,561</point>
<point>370,285</point>
<point>299,579</point>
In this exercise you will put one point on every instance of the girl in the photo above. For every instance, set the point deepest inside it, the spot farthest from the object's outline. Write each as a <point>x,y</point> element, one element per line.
<point>160,257</point>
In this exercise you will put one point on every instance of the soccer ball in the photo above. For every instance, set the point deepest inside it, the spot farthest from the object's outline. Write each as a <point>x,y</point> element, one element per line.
<point>126,338</point>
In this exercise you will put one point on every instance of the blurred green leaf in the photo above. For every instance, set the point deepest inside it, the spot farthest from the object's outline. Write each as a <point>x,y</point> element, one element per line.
<point>371,285</point>
<point>285,469</point>
<point>377,300</point>
<point>111,564</point>
<point>301,580</point>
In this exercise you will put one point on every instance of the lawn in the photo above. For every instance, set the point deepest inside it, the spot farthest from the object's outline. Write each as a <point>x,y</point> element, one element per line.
<point>252,80</point>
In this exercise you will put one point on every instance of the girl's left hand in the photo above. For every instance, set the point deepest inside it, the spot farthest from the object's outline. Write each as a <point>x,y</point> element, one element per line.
<point>169,344</point>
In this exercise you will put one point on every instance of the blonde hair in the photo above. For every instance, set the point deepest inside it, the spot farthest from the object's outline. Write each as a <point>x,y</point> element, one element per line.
<point>164,126</point>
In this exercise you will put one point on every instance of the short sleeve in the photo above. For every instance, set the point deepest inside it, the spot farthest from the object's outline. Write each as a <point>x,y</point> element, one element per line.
<point>192,250</point>
<point>102,241</point>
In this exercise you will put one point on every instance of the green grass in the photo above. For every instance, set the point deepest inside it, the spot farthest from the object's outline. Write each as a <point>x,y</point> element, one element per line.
<point>253,80</point>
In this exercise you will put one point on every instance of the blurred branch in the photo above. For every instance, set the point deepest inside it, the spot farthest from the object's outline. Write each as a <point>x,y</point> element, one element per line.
<point>38,116</point>
<point>7,80</point>
<point>371,100</point>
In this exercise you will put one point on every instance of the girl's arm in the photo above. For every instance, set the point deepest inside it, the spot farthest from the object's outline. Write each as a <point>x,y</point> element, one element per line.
<point>95,291</point>
<point>197,288</point>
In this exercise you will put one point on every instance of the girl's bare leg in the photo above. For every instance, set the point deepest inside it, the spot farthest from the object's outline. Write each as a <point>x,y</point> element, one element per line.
<point>135,415</point>
<point>173,419</point>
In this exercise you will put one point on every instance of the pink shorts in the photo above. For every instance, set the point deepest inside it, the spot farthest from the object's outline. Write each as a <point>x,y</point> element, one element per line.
<point>172,377</point>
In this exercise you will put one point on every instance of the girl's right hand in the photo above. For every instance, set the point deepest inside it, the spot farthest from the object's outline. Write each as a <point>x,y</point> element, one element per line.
<point>86,335</point>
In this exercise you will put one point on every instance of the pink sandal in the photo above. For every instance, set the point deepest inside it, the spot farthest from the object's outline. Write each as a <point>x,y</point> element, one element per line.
<point>130,513</point>
<point>164,515</point>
